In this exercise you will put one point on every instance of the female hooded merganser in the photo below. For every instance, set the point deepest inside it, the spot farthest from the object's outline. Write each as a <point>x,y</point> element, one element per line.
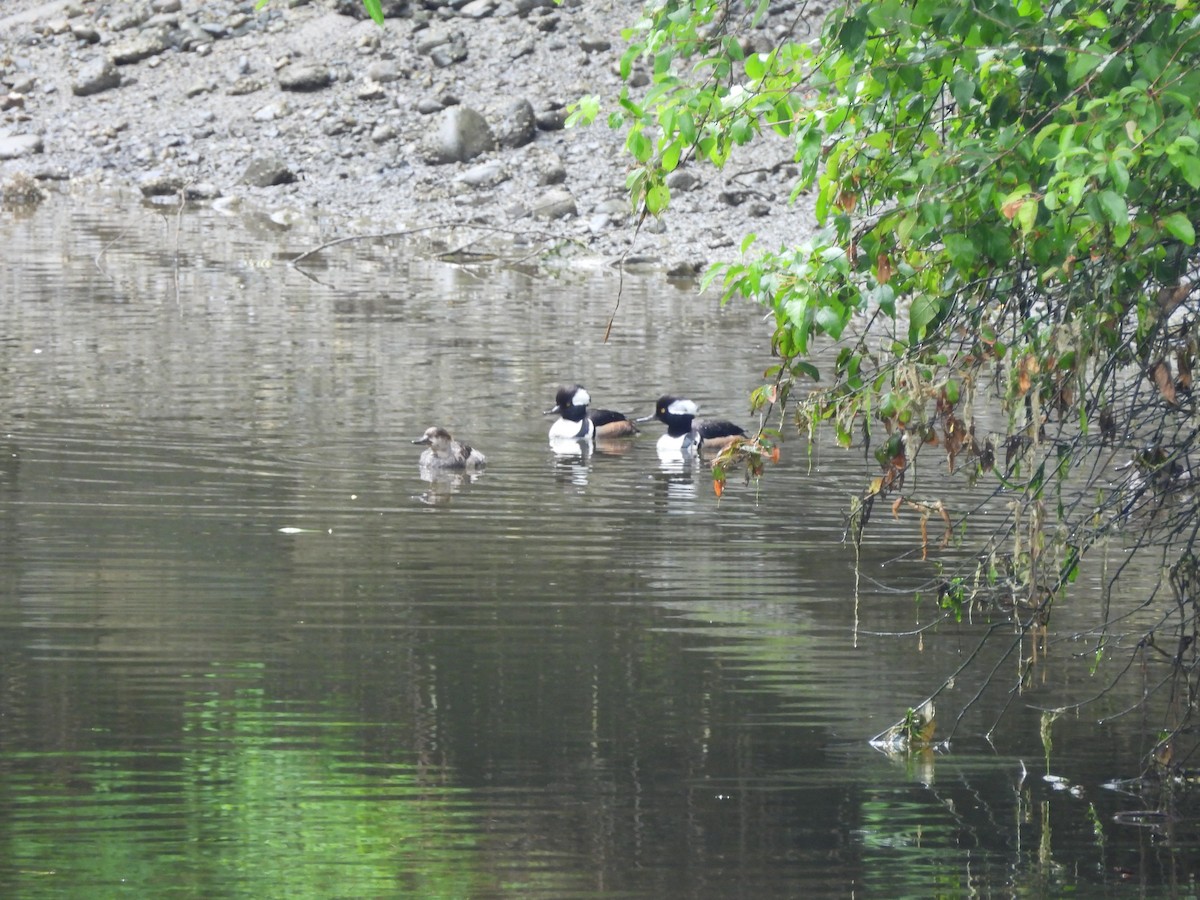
<point>446,453</point>
<point>576,423</point>
<point>687,434</point>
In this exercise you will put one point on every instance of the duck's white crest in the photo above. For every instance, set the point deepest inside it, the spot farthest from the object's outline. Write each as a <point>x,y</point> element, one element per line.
<point>683,408</point>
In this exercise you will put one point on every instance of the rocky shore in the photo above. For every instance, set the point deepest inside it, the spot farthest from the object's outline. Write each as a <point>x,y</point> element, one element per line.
<point>451,113</point>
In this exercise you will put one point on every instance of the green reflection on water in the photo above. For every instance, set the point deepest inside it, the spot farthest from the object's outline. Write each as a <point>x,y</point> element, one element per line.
<point>263,799</point>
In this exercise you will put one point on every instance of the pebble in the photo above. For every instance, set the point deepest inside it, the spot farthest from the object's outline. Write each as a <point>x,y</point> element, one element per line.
<point>683,180</point>
<point>517,126</point>
<point>478,9</point>
<point>85,33</point>
<point>370,90</point>
<point>305,77</point>
<point>488,174</point>
<point>156,184</point>
<point>276,109</point>
<point>555,204</point>
<point>267,172</point>
<point>383,72</point>
<point>551,119</point>
<point>147,43</point>
<point>95,77</point>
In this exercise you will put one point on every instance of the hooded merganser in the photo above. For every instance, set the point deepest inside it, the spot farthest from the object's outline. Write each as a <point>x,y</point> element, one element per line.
<point>685,432</point>
<point>576,423</point>
<point>446,453</point>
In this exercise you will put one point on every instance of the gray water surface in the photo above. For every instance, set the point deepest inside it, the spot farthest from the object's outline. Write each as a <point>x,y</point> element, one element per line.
<point>247,651</point>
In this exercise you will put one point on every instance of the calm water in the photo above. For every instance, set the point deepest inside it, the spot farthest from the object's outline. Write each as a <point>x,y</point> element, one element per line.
<point>246,651</point>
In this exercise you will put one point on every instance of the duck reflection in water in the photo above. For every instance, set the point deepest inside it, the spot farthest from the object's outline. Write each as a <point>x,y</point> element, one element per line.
<point>676,479</point>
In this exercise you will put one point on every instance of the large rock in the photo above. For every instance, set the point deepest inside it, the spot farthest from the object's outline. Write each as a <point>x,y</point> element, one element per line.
<point>556,203</point>
<point>143,45</point>
<point>518,125</point>
<point>305,77</point>
<point>478,9</point>
<point>461,134</point>
<point>98,75</point>
<point>266,172</point>
<point>12,147</point>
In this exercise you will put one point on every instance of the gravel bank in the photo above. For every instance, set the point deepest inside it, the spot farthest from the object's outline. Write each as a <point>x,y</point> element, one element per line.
<point>450,113</point>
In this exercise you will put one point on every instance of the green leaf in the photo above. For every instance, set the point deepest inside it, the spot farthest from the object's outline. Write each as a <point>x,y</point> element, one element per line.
<point>963,90</point>
<point>374,10</point>
<point>1189,168</point>
<point>1113,207</point>
<point>1179,226</point>
<point>853,32</point>
<point>924,310</point>
<point>756,68</point>
<point>806,368</point>
<point>584,112</point>
<point>831,317</point>
<point>962,250</point>
<point>687,126</point>
<point>657,198</point>
<point>670,156</point>
<point>639,146</point>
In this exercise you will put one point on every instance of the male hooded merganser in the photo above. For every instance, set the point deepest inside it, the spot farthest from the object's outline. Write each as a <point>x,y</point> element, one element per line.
<point>686,433</point>
<point>576,423</point>
<point>446,453</point>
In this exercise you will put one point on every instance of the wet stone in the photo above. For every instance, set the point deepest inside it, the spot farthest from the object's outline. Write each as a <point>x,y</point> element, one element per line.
<point>267,172</point>
<point>305,77</point>
<point>157,184</point>
<point>201,191</point>
<point>551,119</point>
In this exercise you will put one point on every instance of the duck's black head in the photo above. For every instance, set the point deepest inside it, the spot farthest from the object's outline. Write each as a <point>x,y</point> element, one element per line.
<point>571,402</point>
